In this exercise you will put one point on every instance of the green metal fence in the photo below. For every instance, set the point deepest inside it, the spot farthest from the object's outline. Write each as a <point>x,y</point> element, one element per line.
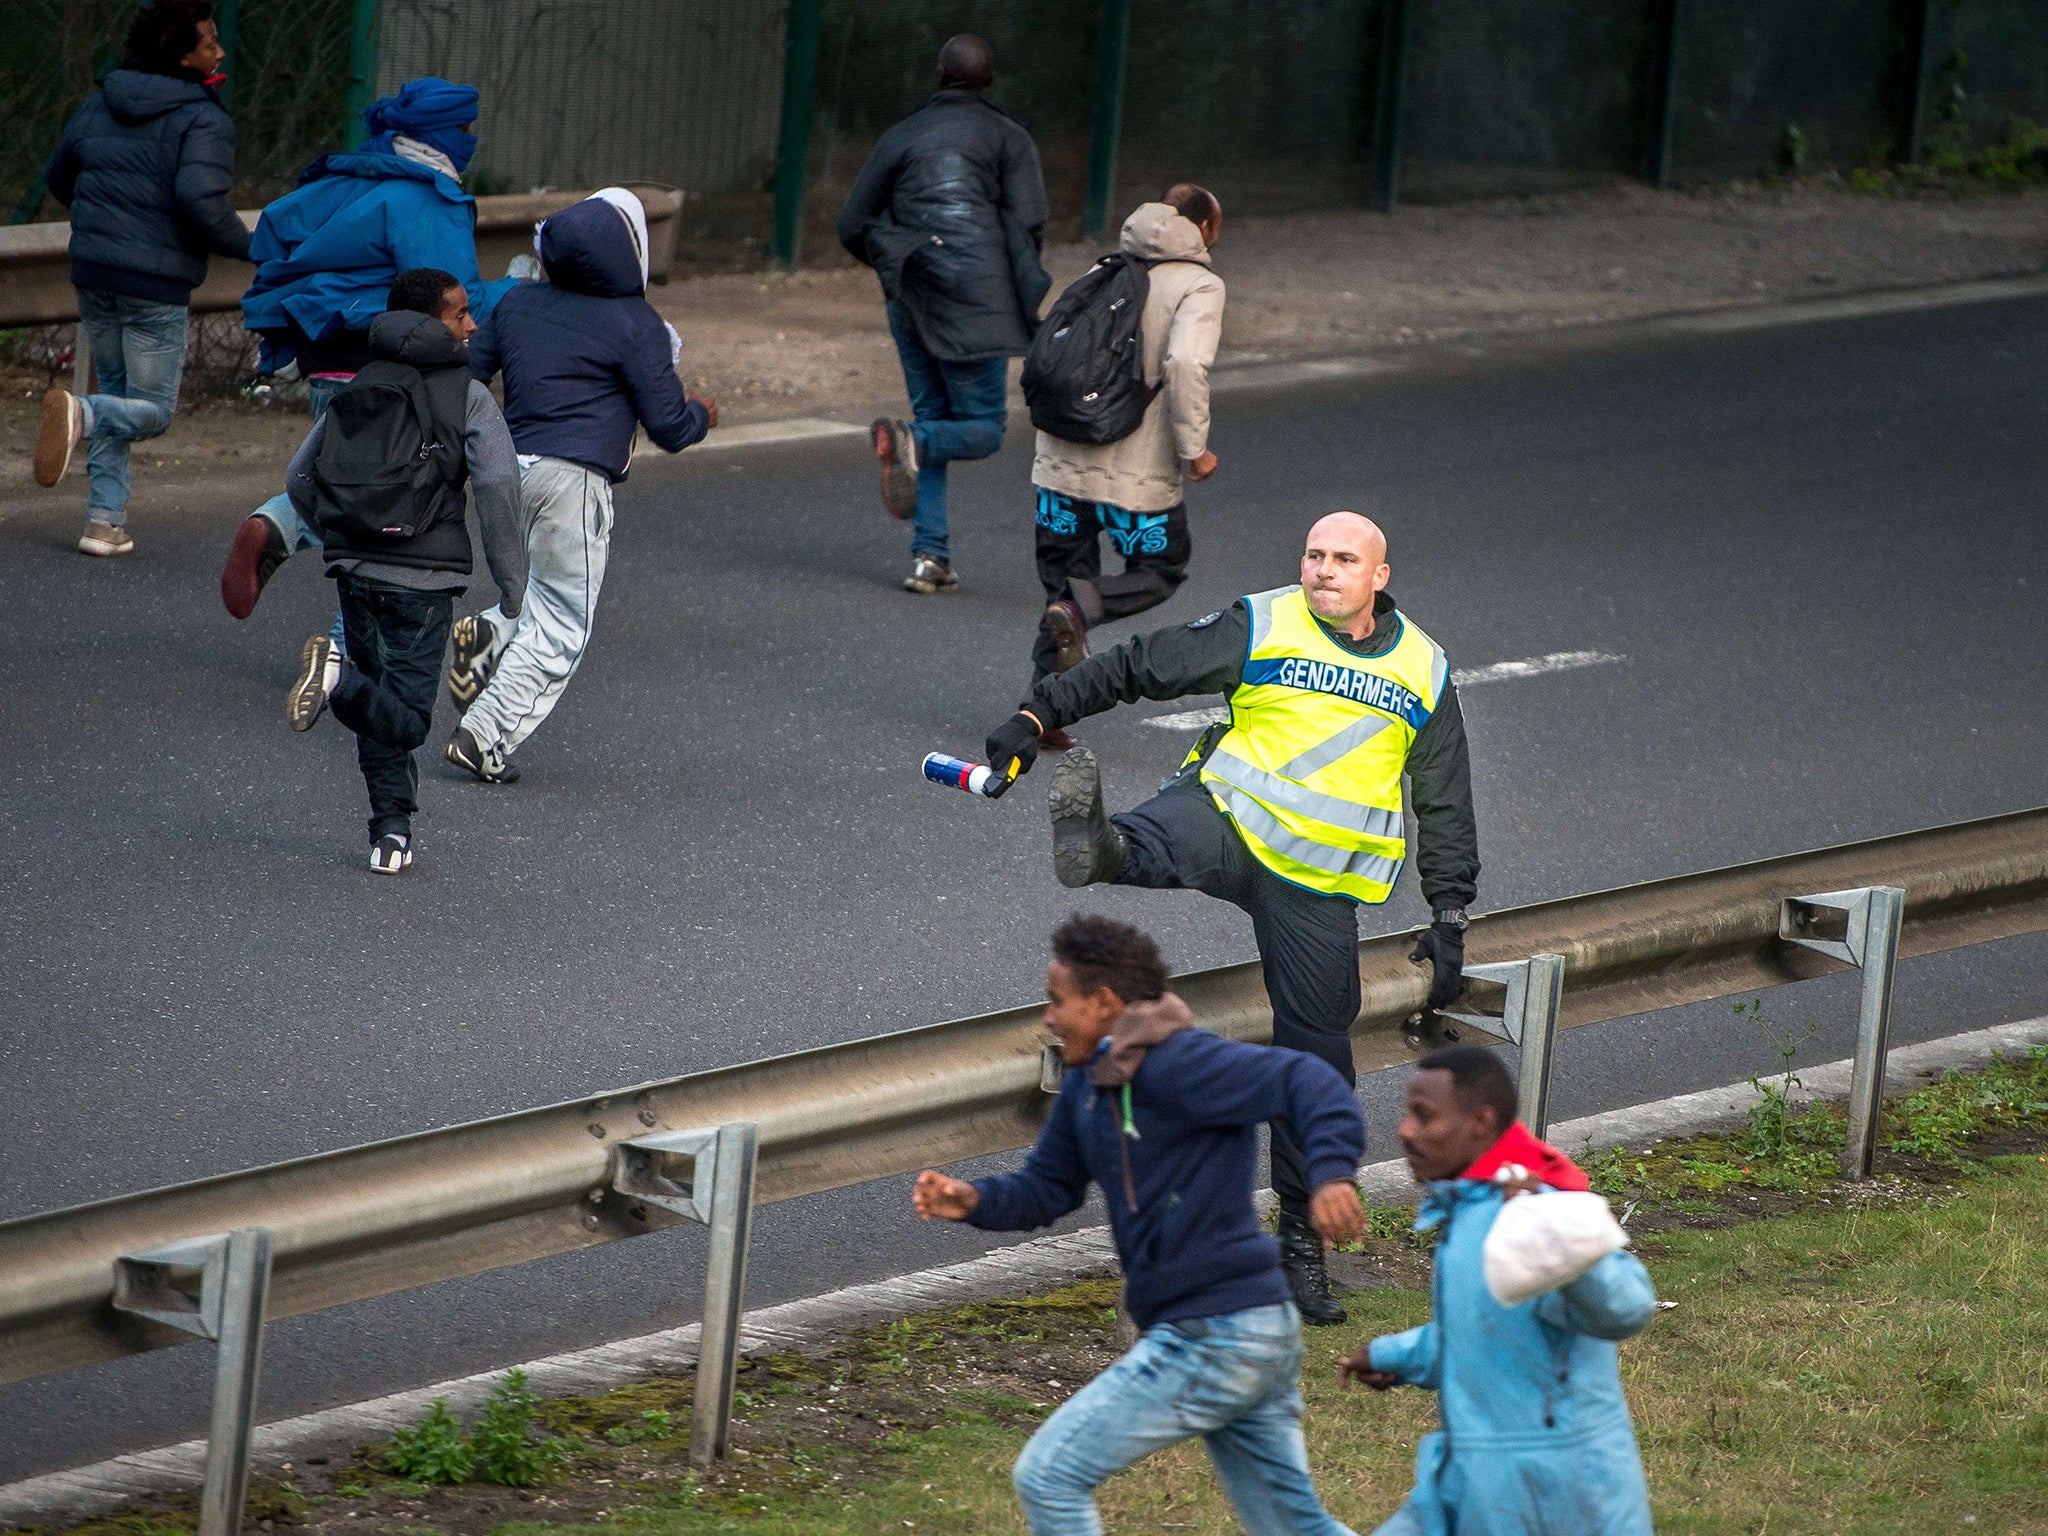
<point>763,110</point>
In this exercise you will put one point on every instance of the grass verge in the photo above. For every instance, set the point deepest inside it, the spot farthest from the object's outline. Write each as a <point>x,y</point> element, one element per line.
<point>1868,1358</point>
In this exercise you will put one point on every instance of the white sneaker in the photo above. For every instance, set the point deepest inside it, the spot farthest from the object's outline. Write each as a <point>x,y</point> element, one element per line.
<point>319,671</point>
<point>390,854</point>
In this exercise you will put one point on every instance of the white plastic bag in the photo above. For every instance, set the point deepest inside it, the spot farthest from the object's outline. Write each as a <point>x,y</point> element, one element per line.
<point>1542,1241</point>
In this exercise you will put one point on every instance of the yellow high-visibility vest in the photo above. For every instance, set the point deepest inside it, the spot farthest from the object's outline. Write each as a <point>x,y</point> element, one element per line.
<point>1310,770</point>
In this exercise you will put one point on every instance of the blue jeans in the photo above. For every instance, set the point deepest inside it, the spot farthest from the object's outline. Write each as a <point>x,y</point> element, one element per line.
<point>138,350</point>
<point>959,411</point>
<point>298,533</point>
<point>1232,1380</point>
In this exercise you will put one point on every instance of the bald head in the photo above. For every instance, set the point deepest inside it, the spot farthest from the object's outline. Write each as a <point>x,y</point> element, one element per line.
<point>966,63</point>
<point>1343,568</point>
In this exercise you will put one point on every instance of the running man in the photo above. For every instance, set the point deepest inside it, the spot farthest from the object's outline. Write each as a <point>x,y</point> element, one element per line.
<point>1163,1118</point>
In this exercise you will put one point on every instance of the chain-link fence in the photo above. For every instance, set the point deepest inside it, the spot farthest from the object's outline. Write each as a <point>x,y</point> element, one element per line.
<point>1274,103</point>
<point>287,67</point>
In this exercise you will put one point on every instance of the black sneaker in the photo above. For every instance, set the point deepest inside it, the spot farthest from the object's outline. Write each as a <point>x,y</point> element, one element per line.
<point>1301,1261</point>
<point>467,753</point>
<point>896,446</point>
<point>1086,848</point>
<point>928,576</point>
<point>470,671</point>
<point>391,854</point>
<point>319,671</point>
<point>1069,631</point>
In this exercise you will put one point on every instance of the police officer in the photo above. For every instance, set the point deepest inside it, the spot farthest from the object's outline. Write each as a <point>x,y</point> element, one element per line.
<point>1292,809</point>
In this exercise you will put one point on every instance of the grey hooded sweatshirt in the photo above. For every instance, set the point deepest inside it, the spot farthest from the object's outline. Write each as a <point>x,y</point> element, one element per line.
<point>1183,326</point>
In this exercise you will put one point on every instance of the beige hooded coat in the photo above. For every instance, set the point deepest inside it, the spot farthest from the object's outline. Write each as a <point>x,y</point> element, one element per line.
<point>1183,325</point>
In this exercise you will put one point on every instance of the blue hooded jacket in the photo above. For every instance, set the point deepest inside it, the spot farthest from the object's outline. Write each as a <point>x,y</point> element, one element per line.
<point>327,252</point>
<point>586,358</point>
<point>144,167</point>
<point>1177,1162</point>
<point>1536,1436</point>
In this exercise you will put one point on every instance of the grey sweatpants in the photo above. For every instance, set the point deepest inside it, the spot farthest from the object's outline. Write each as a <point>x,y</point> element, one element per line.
<point>568,514</point>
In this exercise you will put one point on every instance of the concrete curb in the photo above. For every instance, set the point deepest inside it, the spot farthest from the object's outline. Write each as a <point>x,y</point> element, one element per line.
<point>1041,1264</point>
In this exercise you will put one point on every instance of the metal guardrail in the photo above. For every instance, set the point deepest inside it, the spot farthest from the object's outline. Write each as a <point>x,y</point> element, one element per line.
<point>393,1215</point>
<point>35,267</point>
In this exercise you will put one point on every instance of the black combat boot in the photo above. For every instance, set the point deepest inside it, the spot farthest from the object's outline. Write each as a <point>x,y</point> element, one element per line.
<point>1087,849</point>
<point>1301,1261</point>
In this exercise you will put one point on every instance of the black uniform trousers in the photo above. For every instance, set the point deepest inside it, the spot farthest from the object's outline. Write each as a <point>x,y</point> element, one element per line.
<point>1156,547</point>
<point>1179,840</point>
<point>386,693</point>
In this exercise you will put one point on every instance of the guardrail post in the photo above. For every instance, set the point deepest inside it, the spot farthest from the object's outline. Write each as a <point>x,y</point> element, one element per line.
<point>717,1190</point>
<point>1528,1019</point>
<point>1870,942</point>
<point>82,380</point>
<point>226,1305</point>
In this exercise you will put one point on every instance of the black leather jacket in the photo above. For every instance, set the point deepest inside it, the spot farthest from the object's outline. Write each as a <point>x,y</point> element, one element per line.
<point>950,211</point>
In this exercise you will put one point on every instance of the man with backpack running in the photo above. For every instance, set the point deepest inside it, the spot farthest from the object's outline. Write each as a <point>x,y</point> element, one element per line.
<point>950,211</point>
<point>1148,321</point>
<point>381,477</point>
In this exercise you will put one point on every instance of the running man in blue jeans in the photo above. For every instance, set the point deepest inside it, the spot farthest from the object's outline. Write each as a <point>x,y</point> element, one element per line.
<point>950,211</point>
<point>144,166</point>
<point>1164,1118</point>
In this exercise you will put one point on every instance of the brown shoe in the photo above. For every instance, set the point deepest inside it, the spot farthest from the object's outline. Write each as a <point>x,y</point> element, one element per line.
<point>105,539</point>
<point>1069,631</point>
<point>63,425</point>
<point>1056,741</point>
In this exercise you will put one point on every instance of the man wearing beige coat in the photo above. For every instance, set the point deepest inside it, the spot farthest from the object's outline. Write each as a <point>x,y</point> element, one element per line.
<point>1131,490</point>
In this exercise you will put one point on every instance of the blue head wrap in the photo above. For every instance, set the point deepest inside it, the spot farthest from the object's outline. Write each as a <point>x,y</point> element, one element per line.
<point>429,109</point>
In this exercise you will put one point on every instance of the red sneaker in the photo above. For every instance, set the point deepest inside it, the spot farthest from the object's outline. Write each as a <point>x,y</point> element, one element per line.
<point>259,549</point>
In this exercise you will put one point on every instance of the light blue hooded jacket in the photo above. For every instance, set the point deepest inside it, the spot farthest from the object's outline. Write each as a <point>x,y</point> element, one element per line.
<point>1536,1437</point>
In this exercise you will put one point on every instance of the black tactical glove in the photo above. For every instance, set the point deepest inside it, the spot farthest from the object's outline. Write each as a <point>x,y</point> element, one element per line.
<point>1442,948</point>
<point>1016,737</point>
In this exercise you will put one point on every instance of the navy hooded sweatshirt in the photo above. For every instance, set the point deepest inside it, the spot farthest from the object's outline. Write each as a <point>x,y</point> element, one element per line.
<point>1186,1231</point>
<point>585,357</point>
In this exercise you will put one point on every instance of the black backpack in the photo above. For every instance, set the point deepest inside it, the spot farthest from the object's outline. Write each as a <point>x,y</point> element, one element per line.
<point>1084,377</point>
<point>386,469</point>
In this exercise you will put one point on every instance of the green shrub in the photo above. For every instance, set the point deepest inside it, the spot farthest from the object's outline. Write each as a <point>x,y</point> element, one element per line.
<point>435,1450</point>
<point>504,1443</point>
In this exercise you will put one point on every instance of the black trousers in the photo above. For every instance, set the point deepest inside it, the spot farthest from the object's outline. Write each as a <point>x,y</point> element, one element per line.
<point>1307,941</point>
<point>1155,547</point>
<point>386,693</point>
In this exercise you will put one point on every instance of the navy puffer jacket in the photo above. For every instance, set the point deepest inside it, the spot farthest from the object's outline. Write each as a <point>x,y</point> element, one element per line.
<point>144,167</point>
<point>950,211</point>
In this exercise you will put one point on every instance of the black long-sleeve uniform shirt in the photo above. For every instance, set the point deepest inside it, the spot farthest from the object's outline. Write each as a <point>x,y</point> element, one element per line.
<point>1208,656</point>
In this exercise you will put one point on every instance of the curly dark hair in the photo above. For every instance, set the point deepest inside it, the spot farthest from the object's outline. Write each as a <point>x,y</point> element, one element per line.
<point>164,33</point>
<point>422,290</point>
<point>1102,952</point>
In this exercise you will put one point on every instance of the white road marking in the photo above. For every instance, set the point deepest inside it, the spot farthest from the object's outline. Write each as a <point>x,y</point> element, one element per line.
<point>1535,666</point>
<point>1467,677</point>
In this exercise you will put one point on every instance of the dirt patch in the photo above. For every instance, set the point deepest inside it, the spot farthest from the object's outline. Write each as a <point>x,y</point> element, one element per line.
<point>816,342</point>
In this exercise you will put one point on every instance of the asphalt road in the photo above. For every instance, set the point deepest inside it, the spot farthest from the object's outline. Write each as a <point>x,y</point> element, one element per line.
<point>1818,550</point>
